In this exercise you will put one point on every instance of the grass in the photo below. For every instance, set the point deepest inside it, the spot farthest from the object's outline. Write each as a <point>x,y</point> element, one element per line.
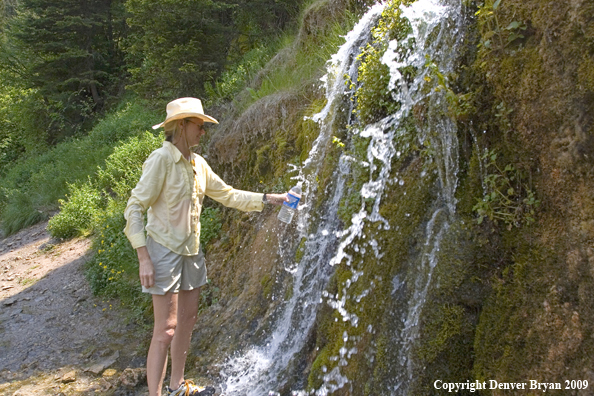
<point>30,191</point>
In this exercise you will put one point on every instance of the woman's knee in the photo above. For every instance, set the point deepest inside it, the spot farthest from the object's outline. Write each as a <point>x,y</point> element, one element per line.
<point>164,333</point>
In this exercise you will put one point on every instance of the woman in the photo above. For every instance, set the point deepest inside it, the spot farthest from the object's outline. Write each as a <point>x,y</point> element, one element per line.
<point>171,263</point>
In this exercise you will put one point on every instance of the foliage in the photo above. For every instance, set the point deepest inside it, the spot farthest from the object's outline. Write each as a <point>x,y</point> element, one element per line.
<point>507,197</point>
<point>494,37</point>
<point>113,270</point>
<point>210,225</point>
<point>236,77</point>
<point>77,215</point>
<point>305,60</point>
<point>373,96</point>
<point>122,170</point>
<point>459,104</point>
<point>32,187</point>
<point>256,21</point>
<point>178,46</point>
<point>69,50</point>
<point>22,117</point>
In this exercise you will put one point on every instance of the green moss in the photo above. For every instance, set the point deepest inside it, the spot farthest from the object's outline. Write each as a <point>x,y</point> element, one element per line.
<point>300,250</point>
<point>267,283</point>
<point>501,344</point>
<point>407,208</point>
<point>446,322</point>
<point>374,100</point>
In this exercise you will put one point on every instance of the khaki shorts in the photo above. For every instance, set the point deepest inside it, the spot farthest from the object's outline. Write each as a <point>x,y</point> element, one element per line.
<point>174,272</point>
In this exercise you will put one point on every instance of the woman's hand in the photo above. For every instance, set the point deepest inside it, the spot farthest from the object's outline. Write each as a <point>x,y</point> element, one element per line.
<point>277,199</point>
<point>146,269</point>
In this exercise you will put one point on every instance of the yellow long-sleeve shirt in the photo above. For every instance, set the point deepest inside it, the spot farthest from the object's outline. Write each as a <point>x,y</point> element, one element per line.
<point>172,190</point>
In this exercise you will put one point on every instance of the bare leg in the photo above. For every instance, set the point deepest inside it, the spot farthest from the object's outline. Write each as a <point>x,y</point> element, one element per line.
<point>187,309</point>
<point>165,308</point>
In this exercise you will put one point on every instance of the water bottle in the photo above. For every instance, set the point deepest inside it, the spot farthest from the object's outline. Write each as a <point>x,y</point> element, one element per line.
<point>288,208</point>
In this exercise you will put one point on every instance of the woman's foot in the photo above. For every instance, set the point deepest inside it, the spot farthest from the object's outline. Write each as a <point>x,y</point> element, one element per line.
<point>188,388</point>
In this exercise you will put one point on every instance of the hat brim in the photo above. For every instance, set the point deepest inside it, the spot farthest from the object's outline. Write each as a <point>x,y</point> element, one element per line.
<point>181,116</point>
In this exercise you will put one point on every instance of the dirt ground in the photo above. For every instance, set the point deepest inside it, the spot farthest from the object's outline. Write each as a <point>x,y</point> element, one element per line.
<point>56,338</point>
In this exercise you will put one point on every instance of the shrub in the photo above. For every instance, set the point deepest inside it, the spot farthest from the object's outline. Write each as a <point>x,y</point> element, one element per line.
<point>32,188</point>
<point>113,270</point>
<point>78,214</point>
<point>123,167</point>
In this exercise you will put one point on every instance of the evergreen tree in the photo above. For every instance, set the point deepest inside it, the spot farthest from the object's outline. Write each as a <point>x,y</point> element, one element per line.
<point>78,64</point>
<point>177,45</point>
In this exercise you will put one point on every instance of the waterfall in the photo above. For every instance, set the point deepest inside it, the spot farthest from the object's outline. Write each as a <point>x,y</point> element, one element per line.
<point>260,369</point>
<point>444,23</point>
<point>265,368</point>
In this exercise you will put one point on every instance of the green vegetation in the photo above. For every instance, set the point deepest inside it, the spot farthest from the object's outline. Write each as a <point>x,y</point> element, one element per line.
<point>374,99</point>
<point>510,294</point>
<point>31,187</point>
<point>507,197</point>
<point>70,54</point>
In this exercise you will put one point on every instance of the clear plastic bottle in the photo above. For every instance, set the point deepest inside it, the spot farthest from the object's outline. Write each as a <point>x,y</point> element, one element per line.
<point>288,208</point>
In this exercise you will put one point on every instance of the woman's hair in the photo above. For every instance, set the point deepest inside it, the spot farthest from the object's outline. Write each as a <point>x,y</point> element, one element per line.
<point>173,130</point>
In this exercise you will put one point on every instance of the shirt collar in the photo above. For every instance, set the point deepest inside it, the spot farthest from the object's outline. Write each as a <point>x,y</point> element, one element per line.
<point>177,155</point>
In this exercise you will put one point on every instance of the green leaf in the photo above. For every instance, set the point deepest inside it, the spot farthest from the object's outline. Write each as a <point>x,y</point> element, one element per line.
<point>514,25</point>
<point>496,4</point>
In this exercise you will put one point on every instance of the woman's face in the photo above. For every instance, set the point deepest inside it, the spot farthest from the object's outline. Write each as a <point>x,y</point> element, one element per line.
<point>194,130</point>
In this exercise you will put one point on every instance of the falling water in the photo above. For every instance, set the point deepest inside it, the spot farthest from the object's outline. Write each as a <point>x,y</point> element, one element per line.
<point>268,367</point>
<point>443,23</point>
<point>261,369</point>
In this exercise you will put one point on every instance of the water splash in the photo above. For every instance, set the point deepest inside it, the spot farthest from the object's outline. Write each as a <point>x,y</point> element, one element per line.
<point>266,368</point>
<point>262,368</point>
<point>428,18</point>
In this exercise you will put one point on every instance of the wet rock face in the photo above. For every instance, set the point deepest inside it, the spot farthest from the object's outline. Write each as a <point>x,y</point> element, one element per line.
<point>506,301</point>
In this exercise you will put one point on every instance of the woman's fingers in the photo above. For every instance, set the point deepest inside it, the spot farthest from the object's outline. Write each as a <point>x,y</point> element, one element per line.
<point>147,273</point>
<point>147,279</point>
<point>277,199</point>
<point>146,269</point>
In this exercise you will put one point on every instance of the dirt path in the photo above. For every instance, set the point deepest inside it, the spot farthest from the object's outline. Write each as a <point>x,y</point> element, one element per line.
<point>55,337</point>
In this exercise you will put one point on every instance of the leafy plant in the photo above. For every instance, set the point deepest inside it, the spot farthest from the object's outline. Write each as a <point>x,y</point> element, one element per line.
<point>78,214</point>
<point>113,270</point>
<point>459,104</point>
<point>507,196</point>
<point>210,225</point>
<point>32,187</point>
<point>493,36</point>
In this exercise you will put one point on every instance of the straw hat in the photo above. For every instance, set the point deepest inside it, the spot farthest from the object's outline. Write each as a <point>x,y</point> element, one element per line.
<point>184,108</point>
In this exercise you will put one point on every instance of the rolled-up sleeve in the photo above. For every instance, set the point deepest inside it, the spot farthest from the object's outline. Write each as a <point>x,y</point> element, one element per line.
<point>142,197</point>
<point>221,192</point>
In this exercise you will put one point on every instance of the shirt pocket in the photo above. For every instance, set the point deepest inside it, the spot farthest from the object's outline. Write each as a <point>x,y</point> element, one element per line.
<point>178,187</point>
